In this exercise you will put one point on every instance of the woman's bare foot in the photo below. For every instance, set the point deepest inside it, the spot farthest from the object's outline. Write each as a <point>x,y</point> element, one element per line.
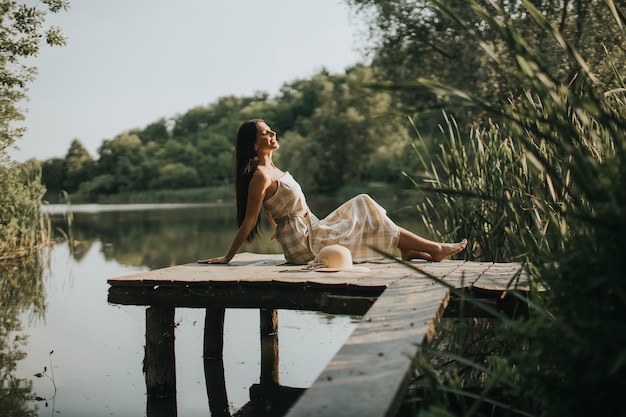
<point>444,250</point>
<point>448,249</point>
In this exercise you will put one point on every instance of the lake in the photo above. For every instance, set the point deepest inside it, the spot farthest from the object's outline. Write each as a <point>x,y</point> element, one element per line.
<point>62,342</point>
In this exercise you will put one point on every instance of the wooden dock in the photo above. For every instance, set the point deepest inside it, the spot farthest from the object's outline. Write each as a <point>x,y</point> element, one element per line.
<point>400,307</point>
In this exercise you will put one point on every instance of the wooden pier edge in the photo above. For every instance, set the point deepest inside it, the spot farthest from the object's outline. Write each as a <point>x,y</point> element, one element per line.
<point>369,375</point>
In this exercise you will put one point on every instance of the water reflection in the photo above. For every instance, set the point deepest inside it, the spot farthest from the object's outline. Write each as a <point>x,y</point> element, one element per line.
<point>57,302</point>
<point>21,295</point>
<point>159,237</point>
<point>267,397</point>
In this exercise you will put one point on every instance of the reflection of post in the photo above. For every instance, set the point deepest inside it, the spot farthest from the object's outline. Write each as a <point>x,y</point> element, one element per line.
<point>214,362</point>
<point>161,407</point>
<point>269,348</point>
<point>159,362</point>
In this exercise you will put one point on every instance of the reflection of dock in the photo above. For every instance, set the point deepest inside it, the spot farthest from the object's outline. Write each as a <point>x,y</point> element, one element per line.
<point>369,374</point>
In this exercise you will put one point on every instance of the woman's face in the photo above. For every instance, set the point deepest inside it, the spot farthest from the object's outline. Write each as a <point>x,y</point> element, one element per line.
<point>265,139</point>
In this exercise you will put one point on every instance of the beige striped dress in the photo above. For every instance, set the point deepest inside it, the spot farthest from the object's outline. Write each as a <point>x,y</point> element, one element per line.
<point>357,224</point>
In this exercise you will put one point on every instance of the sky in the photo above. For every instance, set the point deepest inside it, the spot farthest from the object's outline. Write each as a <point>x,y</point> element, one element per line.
<point>128,63</point>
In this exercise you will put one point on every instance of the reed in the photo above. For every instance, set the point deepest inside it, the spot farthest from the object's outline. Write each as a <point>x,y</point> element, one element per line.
<point>482,189</point>
<point>542,183</point>
<point>23,226</point>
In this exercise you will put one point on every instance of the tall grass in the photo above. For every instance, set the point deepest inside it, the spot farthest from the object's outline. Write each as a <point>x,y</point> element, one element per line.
<point>23,226</point>
<point>544,183</point>
<point>483,189</point>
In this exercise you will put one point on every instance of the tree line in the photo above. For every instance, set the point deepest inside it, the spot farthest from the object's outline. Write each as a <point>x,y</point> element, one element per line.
<point>333,132</point>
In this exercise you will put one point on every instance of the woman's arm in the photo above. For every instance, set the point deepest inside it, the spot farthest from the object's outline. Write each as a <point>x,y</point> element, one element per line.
<point>256,193</point>
<point>272,223</point>
<point>270,218</point>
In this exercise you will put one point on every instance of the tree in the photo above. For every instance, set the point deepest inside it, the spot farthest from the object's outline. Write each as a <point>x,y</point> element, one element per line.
<point>173,151</point>
<point>177,175</point>
<point>215,156</point>
<point>124,159</point>
<point>202,117</point>
<point>296,102</point>
<point>333,128</point>
<point>77,167</point>
<point>415,39</point>
<point>155,132</point>
<point>343,134</point>
<point>21,35</point>
<point>52,174</point>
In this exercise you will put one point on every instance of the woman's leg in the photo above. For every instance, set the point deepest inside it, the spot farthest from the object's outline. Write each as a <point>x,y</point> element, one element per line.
<point>413,246</point>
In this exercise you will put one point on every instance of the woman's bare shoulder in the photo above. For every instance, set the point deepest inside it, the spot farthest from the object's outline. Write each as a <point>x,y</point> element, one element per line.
<point>261,177</point>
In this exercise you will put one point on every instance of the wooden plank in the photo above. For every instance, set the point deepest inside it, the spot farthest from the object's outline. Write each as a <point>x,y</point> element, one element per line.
<point>370,373</point>
<point>272,268</point>
<point>502,277</point>
<point>261,269</point>
<point>330,299</point>
<point>467,274</point>
<point>257,282</point>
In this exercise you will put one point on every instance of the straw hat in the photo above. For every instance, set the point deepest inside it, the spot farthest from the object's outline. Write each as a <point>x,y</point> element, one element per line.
<point>335,258</point>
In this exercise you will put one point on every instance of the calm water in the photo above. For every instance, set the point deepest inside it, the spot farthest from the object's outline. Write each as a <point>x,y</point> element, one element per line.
<point>92,351</point>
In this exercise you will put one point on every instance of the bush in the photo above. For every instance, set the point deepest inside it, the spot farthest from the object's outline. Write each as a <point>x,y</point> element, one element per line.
<point>23,227</point>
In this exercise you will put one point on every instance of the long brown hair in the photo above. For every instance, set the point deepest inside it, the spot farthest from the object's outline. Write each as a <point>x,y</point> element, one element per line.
<point>246,162</point>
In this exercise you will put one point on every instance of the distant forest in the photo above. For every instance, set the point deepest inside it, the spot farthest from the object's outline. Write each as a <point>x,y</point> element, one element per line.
<point>333,132</point>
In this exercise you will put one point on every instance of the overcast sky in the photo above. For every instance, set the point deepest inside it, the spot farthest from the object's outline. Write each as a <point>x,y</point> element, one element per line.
<point>129,63</point>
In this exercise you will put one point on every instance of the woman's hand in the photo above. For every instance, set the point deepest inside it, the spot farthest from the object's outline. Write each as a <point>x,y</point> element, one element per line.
<point>220,260</point>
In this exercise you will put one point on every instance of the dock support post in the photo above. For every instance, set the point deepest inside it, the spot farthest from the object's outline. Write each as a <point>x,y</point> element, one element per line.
<point>159,363</point>
<point>214,362</point>
<point>269,348</point>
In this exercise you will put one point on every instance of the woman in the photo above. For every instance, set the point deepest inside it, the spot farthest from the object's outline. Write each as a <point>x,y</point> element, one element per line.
<point>358,224</point>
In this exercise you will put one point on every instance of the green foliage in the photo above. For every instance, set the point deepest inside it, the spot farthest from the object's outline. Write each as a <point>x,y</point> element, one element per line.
<point>463,368</point>
<point>52,174</point>
<point>23,227</point>
<point>124,157</point>
<point>177,175</point>
<point>485,190</point>
<point>344,138</point>
<point>21,293</point>
<point>440,40</point>
<point>21,33</point>
<point>333,132</point>
<point>543,181</point>
<point>156,132</point>
<point>78,164</point>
